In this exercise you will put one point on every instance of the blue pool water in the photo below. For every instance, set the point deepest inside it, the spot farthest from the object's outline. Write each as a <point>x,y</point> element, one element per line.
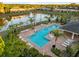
<point>38,38</point>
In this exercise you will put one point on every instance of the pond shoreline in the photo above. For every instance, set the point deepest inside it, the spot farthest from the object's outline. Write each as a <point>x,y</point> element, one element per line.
<point>25,19</point>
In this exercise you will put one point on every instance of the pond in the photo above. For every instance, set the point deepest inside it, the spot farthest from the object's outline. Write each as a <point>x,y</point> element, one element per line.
<point>25,20</point>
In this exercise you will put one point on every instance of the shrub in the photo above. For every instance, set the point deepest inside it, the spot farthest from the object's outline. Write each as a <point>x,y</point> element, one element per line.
<point>56,51</point>
<point>45,22</point>
<point>2,45</point>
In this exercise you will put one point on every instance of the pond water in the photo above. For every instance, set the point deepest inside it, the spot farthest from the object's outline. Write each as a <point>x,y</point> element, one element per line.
<point>25,20</point>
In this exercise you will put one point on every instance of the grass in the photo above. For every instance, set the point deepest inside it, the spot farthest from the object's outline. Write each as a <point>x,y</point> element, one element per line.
<point>1,27</point>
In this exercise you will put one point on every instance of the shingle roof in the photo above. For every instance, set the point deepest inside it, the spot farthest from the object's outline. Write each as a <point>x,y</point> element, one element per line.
<point>72,26</point>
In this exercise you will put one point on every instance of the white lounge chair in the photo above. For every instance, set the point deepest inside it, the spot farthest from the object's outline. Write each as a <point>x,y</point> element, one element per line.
<point>64,45</point>
<point>30,44</point>
<point>51,36</point>
<point>20,37</point>
<point>67,42</point>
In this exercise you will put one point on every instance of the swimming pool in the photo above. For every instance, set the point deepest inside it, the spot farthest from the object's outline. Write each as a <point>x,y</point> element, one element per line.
<point>38,38</point>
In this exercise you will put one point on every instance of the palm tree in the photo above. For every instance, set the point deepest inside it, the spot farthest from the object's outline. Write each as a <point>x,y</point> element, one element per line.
<point>31,21</point>
<point>40,20</point>
<point>48,18</point>
<point>63,19</point>
<point>57,33</point>
<point>57,19</point>
<point>34,19</point>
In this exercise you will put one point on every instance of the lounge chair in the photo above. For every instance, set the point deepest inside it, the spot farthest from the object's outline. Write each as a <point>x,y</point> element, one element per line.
<point>67,42</point>
<point>64,45</point>
<point>51,36</point>
<point>30,44</point>
<point>20,37</point>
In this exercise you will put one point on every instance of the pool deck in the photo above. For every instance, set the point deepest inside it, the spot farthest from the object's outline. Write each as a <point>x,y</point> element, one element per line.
<point>47,48</point>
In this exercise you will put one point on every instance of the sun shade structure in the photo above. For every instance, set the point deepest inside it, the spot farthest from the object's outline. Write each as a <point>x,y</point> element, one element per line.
<point>72,27</point>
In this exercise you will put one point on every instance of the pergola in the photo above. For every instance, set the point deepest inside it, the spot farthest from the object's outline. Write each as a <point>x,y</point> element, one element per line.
<point>71,27</point>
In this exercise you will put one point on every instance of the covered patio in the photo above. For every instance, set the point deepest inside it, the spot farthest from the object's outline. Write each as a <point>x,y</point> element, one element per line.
<point>72,30</point>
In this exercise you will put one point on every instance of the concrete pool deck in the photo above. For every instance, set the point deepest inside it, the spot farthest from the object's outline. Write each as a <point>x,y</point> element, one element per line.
<point>47,48</point>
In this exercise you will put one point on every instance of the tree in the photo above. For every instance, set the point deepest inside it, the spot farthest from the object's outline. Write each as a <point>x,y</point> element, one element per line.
<point>31,21</point>
<point>33,52</point>
<point>57,33</point>
<point>14,46</point>
<point>57,19</point>
<point>63,19</point>
<point>2,45</point>
<point>73,49</point>
<point>48,18</point>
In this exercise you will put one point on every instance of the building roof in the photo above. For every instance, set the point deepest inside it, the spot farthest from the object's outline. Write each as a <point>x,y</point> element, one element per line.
<point>72,27</point>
